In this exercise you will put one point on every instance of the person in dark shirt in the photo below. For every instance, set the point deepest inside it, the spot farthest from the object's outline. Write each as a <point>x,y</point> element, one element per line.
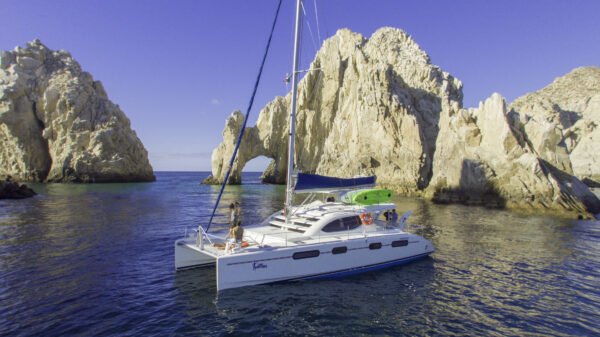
<point>238,213</point>
<point>394,217</point>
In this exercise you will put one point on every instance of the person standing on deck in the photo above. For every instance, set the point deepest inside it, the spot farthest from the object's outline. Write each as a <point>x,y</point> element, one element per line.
<point>394,217</point>
<point>238,213</point>
<point>233,219</point>
<point>236,232</point>
<point>388,216</point>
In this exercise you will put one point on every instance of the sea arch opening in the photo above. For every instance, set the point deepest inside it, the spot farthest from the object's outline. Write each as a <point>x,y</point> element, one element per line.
<point>255,169</point>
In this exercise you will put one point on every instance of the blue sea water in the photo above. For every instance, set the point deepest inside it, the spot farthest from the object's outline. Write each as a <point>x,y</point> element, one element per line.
<point>97,260</point>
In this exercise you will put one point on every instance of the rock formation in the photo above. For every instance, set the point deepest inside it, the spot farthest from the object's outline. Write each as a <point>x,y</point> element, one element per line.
<point>378,106</point>
<point>481,158</point>
<point>12,190</point>
<point>58,125</point>
<point>370,106</point>
<point>562,120</point>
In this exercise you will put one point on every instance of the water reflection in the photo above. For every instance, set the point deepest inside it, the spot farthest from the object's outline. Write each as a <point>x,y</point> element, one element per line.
<point>98,260</point>
<point>493,271</point>
<point>361,304</point>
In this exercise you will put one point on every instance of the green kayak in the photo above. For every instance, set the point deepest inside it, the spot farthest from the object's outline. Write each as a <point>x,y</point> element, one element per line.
<point>367,197</point>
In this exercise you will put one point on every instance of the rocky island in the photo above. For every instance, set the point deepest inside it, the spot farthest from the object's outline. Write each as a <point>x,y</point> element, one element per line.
<point>379,106</point>
<point>58,125</point>
<point>13,190</point>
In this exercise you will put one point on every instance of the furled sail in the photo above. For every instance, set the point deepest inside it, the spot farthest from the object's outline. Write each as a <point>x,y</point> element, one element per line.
<point>311,183</point>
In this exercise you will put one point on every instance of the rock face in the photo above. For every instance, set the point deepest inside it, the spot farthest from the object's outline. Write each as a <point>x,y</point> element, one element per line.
<point>58,125</point>
<point>481,158</point>
<point>562,120</point>
<point>371,106</point>
<point>378,106</point>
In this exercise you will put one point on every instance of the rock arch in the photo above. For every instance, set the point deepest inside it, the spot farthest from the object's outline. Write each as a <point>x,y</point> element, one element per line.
<point>254,144</point>
<point>378,106</point>
<point>369,106</point>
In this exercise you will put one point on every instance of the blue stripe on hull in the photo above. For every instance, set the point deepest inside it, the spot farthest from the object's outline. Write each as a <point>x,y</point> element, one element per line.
<point>365,269</point>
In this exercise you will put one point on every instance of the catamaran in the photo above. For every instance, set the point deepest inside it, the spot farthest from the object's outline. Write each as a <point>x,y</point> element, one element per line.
<point>357,232</point>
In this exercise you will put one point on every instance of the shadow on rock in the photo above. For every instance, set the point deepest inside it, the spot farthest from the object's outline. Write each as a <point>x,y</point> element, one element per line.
<point>474,189</point>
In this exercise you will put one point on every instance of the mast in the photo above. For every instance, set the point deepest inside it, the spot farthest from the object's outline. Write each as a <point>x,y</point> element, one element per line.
<point>292,133</point>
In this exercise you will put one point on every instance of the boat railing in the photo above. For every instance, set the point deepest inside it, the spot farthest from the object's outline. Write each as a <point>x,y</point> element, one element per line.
<point>347,234</point>
<point>383,226</point>
<point>200,234</point>
<point>260,239</point>
<point>219,245</point>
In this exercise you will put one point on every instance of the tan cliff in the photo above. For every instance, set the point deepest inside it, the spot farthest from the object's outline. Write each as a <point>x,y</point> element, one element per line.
<point>379,106</point>
<point>366,109</point>
<point>481,158</point>
<point>58,125</point>
<point>562,120</point>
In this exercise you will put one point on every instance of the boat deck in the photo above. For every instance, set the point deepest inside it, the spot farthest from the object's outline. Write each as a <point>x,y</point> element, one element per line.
<point>264,236</point>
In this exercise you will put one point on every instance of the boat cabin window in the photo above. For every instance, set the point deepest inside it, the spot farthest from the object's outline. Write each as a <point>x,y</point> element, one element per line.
<point>400,243</point>
<point>305,255</point>
<point>339,250</point>
<point>375,245</point>
<point>344,224</point>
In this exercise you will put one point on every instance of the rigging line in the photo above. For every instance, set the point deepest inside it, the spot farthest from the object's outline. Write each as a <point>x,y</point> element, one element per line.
<point>312,37</point>
<point>317,21</point>
<point>241,135</point>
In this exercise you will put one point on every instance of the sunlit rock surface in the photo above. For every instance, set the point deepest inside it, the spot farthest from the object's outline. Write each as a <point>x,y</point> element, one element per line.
<point>370,106</point>
<point>379,106</point>
<point>482,159</point>
<point>57,123</point>
<point>562,120</point>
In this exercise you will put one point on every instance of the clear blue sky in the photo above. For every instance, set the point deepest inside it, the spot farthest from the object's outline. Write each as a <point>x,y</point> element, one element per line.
<point>179,68</point>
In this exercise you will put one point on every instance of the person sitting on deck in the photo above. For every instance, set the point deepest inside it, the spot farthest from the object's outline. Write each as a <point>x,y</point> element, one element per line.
<point>236,233</point>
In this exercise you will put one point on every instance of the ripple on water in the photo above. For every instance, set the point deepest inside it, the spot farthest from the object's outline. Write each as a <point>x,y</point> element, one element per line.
<point>97,260</point>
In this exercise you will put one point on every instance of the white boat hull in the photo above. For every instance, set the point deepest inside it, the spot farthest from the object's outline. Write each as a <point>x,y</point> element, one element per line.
<point>281,264</point>
<point>188,255</point>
